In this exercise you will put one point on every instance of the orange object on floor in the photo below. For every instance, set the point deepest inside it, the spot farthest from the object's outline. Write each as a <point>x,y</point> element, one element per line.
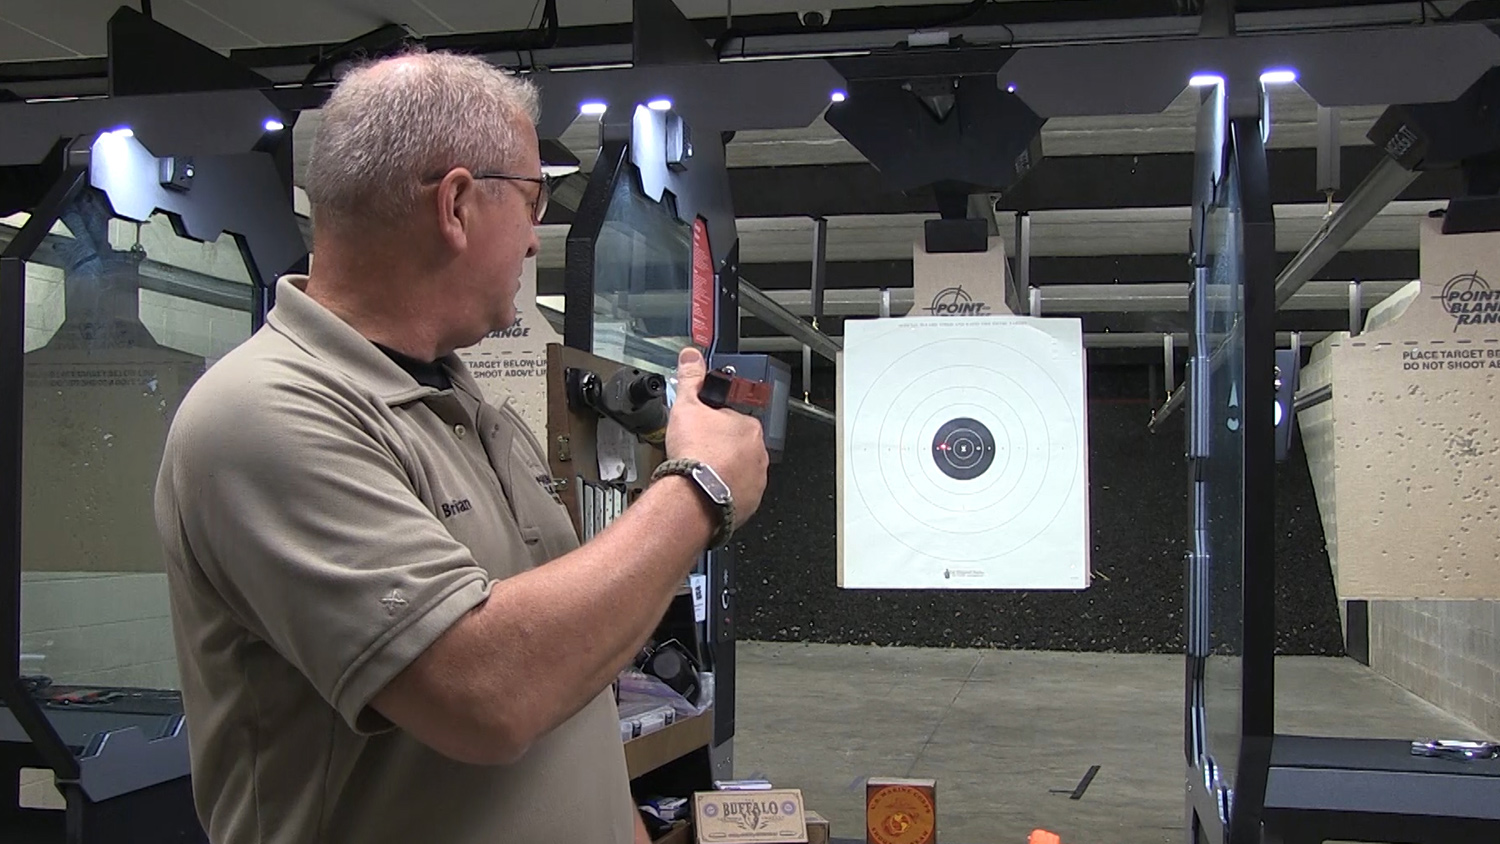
<point>1042,836</point>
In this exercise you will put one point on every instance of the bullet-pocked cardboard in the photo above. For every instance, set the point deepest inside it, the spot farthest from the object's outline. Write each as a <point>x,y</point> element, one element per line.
<point>1406,455</point>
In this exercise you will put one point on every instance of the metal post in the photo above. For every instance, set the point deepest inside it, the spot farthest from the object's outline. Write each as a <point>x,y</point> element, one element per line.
<point>1023,252</point>
<point>1329,151</point>
<point>806,372</point>
<point>1168,351</point>
<point>885,303</point>
<point>1356,309</point>
<point>1036,301</point>
<point>819,267</point>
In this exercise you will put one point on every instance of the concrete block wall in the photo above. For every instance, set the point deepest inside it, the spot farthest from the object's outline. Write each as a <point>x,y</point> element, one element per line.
<point>1447,652</point>
<point>114,627</point>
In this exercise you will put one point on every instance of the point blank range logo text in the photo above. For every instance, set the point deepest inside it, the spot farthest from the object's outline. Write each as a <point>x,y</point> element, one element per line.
<point>1470,301</point>
<point>953,301</point>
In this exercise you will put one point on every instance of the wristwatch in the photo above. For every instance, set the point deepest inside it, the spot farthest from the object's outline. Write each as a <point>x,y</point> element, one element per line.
<point>712,485</point>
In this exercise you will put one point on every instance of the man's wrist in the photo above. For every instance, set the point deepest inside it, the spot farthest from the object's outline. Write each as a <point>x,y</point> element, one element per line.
<point>703,515</point>
<point>713,489</point>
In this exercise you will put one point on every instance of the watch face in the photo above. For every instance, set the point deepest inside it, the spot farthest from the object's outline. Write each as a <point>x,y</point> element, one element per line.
<point>711,483</point>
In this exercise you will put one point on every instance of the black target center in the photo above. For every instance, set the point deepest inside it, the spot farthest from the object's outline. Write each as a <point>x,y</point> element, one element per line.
<point>963,448</point>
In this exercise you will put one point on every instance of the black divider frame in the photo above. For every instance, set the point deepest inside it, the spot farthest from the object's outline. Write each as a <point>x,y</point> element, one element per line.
<point>1231,146</point>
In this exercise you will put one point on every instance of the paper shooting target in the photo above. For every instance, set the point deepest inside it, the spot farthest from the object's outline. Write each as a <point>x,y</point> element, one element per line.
<point>963,454</point>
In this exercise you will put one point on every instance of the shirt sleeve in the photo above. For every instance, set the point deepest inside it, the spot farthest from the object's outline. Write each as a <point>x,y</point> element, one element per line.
<point>297,507</point>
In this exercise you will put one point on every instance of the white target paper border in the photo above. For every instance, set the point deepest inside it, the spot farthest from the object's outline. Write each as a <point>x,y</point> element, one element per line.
<point>1023,522</point>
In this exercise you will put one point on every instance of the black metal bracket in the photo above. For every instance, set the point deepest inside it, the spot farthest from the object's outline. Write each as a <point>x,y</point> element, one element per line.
<point>18,699</point>
<point>146,57</point>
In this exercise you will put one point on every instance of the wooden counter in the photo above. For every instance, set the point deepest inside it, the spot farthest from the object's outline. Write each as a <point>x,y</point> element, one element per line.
<point>651,751</point>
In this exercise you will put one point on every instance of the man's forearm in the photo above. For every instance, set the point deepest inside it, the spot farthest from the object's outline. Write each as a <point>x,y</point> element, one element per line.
<point>571,625</point>
<point>547,641</point>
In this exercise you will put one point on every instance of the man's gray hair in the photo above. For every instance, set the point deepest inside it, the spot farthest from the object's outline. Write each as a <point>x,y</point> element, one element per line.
<point>388,125</point>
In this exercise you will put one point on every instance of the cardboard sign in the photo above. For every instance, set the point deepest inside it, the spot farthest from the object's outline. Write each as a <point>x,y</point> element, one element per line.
<point>513,363</point>
<point>1405,460</point>
<point>959,283</point>
<point>749,817</point>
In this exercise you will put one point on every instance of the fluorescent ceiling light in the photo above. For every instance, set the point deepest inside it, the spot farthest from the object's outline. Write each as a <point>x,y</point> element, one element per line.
<point>601,66</point>
<point>274,125</point>
<point>1203,80</point>
<point>838,96</point>
<point>660,105</point>
<point>774,57</point>
<point>1278,77</point>
<point>593,109</point>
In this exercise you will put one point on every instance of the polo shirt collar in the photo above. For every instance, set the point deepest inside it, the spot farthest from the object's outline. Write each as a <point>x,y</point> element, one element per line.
<point>305,321</point>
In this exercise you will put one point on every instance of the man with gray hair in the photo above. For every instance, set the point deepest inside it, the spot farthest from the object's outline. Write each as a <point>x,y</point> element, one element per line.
<point>386,626</point>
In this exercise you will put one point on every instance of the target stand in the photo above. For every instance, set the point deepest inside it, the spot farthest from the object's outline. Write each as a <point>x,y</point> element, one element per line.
<point>963,454</point>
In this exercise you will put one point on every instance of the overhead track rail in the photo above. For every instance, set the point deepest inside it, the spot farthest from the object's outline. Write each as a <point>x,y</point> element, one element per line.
<point>1379,189</point>
<point>754,300</point>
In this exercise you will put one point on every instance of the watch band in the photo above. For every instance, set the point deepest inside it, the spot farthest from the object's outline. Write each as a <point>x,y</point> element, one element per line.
<point>685,467</point>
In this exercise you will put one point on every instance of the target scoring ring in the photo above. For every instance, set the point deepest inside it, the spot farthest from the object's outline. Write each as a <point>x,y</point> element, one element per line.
<point>963,448</point>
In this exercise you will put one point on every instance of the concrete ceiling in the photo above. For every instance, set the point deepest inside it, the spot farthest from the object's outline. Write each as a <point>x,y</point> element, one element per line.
<point>75,28</point>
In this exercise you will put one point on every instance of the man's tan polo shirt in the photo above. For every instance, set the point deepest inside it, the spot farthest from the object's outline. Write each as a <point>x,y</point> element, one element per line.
<point>326,518</point>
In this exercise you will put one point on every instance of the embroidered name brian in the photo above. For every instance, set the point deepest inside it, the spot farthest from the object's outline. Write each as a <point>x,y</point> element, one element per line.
<point>453,508</point>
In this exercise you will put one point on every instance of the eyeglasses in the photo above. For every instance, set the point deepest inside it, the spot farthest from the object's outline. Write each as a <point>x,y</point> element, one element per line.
<point>538,205</point>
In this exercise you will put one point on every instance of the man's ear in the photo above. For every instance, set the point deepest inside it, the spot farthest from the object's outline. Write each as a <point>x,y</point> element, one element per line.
<point>456,197</point>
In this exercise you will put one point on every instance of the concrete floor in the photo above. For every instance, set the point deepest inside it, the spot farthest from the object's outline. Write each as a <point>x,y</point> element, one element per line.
<point>998,729</point>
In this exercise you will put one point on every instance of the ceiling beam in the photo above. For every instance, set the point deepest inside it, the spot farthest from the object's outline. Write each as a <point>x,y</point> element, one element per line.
<point>1158,180</point>
<point>786,311</point>
<point>1162,180</point>
<point>1138,322</point>
<point>1150,342</point>
<point>1374,265</point>
<point>1064,299</point>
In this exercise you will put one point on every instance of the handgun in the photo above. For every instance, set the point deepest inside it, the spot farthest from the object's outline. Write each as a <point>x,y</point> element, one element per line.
<point>637,399</point>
